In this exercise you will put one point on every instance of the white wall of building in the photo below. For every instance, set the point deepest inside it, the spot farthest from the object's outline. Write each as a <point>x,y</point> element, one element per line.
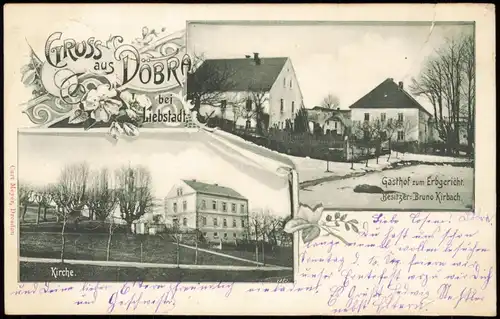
<point>286,88</point>
<point>410,119</point>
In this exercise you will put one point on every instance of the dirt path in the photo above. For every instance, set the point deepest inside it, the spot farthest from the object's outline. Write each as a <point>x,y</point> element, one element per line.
<point>149,265</point>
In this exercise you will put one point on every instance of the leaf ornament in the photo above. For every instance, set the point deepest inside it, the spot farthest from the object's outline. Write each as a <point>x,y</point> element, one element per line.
<point>306,221</point>
<point>79,116</point>
<point>309,222</point>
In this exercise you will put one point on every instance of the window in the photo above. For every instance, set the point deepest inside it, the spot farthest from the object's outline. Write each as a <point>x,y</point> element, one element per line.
<point>400,117</point>
<point>215,221</point>
<point>204,221</point>
<point>224,207</point>
<point>179,192</point>
<point>216,235</point>
<point>233,208</point>
<point>214,205</point>
<point>224,222</point>
<point>203,204</point>
<point>223,104</point>
<point>383,116</point>
<point>335,124</point>
<point>242,208</point>
<point>367,116</point>
<point>225,235</point>
<point>249,105</point>
<point>284,82</point>
<point>205,235</point>
<point>234,222</point>
<point>401,136</point>
<point>242,223</point>
<point>290,83</point>
<point>184,205</point>
<point>293,107</point>
<point>234,235</point>
<point>282,106</point>
<point>248,124</point>
<point>175,207</point>
<point>184,221</point>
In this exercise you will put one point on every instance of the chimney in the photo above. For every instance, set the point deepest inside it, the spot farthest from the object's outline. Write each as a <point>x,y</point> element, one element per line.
<point>256,58</point>
<point>400,84</point>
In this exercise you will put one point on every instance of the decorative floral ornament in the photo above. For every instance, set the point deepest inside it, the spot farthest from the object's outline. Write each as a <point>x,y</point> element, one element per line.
<point>309,221</point>
<point>135,103</point>
<point>101,103</point>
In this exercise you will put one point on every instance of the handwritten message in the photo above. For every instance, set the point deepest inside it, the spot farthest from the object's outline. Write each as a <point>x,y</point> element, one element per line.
<point>405,263</point>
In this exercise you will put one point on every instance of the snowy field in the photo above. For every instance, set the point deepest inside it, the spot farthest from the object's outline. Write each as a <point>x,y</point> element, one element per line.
<point>340,194</point>
<point>311,169</point>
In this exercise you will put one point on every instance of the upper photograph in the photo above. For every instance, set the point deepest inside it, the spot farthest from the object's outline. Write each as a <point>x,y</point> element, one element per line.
<point>374,116</point>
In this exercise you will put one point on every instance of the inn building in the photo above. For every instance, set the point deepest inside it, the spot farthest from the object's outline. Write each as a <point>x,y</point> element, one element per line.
<point>218,212</point>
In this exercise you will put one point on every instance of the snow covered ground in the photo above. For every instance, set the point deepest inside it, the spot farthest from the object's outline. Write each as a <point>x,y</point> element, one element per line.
<point>339,194</point>
<point>312,169</point>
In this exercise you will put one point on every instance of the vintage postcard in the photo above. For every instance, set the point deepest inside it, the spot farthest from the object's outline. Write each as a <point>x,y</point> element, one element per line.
<point>250,159</point>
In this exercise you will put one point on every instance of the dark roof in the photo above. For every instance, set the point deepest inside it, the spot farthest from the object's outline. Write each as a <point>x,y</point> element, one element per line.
<point>245,74</point>
<point>326,109</point>
<point>388,95</point>
<point>213,189</point>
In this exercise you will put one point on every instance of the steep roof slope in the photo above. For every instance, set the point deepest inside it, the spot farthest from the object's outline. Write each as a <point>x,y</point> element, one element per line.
<point>245,74</point>
<point>388,95</point>
<point>213,189</point>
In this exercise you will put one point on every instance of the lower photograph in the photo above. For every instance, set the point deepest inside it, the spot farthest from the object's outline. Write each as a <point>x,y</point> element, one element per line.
<point>166,206</point>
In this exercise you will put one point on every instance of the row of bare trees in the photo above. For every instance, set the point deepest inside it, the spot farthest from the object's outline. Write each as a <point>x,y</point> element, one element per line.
<point>447,81</point>
<point>264,227</point>
<point>374,133</point>
<point>128,193</point>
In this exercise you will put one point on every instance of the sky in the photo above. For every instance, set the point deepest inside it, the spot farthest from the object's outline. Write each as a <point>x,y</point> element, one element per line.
<point>168,157</point>
<point>346,60</point>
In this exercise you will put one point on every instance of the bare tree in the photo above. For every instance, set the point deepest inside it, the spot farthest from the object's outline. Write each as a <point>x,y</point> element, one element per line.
<point>69,194</point>
<point>134,193</point>
<point>208,82</point>
<point>331,101</point>
<point>102,202</point>
<point>25,198</point>
<point>469,89</point>
<point>253,108</point>
<point>43,197</point>
<point>446,80</point>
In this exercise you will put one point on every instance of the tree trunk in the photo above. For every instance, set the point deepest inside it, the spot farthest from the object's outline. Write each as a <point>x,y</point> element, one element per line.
<point>196,252</point>
<point>108,247</point>
<point>263,255</point>
<point>24,211</point>
<point>63,240</point>
<point>178,251</point>
<point>45,214</point>
<point>38,214</point>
